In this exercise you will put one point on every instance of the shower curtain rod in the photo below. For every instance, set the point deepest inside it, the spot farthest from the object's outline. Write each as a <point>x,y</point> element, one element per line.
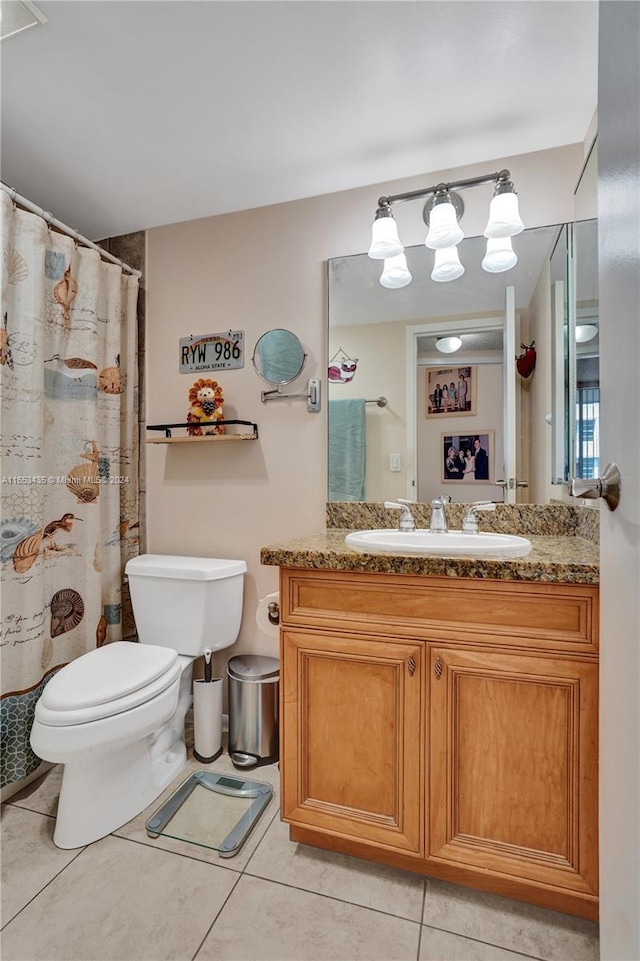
<point>54,222</point>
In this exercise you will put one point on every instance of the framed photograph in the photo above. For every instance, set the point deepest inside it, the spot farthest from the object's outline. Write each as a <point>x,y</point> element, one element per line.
<point>451,391</point>
<point>468,458</point>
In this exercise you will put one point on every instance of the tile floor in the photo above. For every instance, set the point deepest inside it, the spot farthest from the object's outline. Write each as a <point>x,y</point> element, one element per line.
<point>132,898</point>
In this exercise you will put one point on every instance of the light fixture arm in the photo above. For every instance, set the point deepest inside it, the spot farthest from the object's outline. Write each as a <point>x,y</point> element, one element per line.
<point>502,180</point>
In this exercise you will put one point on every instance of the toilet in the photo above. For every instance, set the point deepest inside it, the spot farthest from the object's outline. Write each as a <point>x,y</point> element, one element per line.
<point>115,716</point>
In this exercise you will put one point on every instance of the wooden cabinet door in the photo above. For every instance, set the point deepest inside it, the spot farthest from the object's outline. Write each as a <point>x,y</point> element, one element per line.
<point>352,738</point>
<point>513,753</point>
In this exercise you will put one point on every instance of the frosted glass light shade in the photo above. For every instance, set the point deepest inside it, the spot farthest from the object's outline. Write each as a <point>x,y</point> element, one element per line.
<point>385,242</point>
<point>444,230</point>
<point>585,332</point>
<point>447,265</point>
<point>448,345</point>
<point>500,255</point>
<point>504,217</point>
<point>395,273</point>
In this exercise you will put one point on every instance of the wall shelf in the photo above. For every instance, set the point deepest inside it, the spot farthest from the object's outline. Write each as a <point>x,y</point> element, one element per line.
<point>189,439</point>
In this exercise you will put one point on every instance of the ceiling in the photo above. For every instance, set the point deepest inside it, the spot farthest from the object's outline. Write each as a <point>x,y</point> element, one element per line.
<point>119,116</point>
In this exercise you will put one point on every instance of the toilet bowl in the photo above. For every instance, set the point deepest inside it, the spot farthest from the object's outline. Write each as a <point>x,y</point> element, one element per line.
<point>115,716</point>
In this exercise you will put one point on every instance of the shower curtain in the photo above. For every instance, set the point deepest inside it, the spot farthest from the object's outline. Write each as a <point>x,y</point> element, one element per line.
<point>68,438</point>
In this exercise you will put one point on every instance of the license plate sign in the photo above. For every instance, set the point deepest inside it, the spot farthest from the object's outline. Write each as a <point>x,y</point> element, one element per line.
<point>200,352</point>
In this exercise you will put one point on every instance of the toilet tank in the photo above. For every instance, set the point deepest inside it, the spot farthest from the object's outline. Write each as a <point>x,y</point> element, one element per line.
<point>186,603</point>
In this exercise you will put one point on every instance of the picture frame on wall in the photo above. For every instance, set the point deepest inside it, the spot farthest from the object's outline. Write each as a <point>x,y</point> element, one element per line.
<point>468,458</point>
<point>451,391</point>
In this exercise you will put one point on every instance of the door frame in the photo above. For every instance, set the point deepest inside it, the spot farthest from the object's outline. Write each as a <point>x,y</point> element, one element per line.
<point>441,329</point>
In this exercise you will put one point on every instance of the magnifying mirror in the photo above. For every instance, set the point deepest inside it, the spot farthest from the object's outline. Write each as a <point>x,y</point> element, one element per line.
<point>278,356</point>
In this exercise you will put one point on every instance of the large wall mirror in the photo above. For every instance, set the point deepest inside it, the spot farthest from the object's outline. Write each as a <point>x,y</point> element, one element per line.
<point>574,267</point>
<point>536,431</point>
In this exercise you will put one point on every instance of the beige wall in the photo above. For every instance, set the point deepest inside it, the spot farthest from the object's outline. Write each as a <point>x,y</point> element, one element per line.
<point>252,271</point>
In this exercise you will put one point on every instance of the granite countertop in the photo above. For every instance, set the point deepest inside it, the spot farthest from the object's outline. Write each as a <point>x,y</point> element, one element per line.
<point>558,558</point>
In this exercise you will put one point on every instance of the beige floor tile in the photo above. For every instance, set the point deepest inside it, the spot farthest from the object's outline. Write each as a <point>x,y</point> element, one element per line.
<point>271,922</point>
<point>442,946</point>
<point>509,924</point>
<point>41,795</point>
<point>323,872</point>
<point>135,830</point>
<point>120,900</point>
<point>29,857</point>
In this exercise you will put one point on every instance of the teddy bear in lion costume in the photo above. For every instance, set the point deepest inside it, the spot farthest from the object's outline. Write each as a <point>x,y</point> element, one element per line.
<point>206,401</point>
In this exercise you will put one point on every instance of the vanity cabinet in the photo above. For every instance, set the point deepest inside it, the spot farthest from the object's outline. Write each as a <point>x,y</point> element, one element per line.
<point>352,749</point>
<point>513,773</point>
<point>445,725</point>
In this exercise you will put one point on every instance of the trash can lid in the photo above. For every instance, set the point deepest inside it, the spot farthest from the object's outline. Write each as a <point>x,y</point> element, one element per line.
<point>253,667</point>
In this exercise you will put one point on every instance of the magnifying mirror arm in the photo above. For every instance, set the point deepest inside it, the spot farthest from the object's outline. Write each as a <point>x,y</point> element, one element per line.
<point>312,395</point>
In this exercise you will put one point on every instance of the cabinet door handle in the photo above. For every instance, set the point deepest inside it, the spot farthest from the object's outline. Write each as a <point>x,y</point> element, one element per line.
<point>437,668</point>
<point>411,665</point>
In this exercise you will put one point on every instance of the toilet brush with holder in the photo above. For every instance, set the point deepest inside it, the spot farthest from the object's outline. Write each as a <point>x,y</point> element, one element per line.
<point>207,715</point>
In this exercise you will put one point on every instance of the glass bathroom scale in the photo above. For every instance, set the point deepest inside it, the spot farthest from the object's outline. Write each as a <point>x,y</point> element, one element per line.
<point>215,811</point>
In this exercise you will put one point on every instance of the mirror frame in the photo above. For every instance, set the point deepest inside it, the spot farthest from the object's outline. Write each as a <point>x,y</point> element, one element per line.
<point>412,333</point>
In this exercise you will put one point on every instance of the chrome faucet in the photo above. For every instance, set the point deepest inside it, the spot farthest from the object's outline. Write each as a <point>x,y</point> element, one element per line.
<point>470,522</point>
<point>438,519</point>
<point>407,522</point>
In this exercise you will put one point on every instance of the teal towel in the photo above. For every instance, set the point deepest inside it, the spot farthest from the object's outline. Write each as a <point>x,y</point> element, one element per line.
<point>347,450</point>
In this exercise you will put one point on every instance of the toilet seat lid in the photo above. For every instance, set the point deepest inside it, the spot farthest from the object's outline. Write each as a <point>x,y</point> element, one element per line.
<point>107,674</point>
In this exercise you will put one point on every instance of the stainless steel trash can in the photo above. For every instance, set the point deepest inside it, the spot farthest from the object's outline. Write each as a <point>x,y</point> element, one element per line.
<point>254,682</point>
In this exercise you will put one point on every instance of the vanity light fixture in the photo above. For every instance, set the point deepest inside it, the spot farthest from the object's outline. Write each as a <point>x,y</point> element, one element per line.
<point>447,265</point>
<point>385,242</point>
<point>395,273</point>
<point>444,230</point>
<point>504,217</point>
<point>448,345</point>
<point>500,255</point>
<point>441,213</point>
<point>585,332</point>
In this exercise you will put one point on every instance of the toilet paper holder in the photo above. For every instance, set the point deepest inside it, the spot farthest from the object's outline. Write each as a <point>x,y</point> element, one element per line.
<point>273,612</point>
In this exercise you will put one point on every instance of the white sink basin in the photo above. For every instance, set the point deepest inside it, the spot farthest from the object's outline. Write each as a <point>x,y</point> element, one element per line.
<point>446,544</point>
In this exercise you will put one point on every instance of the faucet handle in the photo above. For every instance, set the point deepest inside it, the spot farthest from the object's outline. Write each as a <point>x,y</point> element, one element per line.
<point>470,522</point>
<point>407,522</point>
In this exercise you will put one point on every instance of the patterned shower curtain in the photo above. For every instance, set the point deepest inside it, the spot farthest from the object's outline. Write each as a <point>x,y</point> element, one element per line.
<point>68,436</point>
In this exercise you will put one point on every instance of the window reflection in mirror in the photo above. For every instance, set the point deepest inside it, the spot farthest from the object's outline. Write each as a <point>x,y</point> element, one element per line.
<point>586,431</point>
